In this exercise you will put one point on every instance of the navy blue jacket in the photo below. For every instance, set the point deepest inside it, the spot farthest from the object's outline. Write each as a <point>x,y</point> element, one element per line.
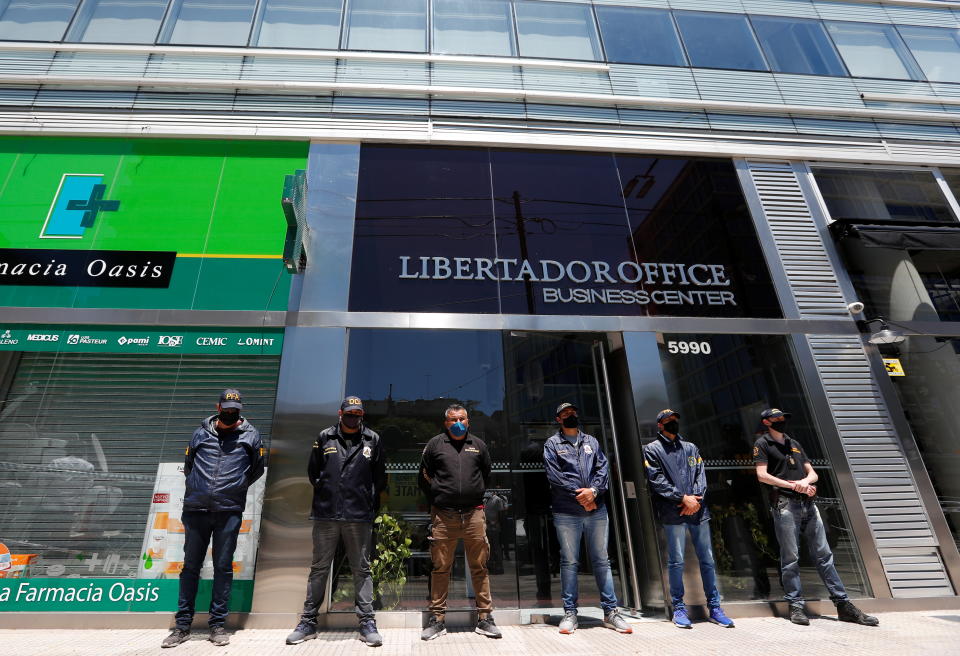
<point>347,474</point>
<point>674,469</point>
<point>571,467</point>
<point>220,468</point>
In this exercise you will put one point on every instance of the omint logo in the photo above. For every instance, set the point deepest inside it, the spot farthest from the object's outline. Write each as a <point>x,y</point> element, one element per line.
<point>75,207</point>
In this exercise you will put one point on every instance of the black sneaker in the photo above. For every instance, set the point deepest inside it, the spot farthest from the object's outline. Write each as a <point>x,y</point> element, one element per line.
<point>847,612</point>
<point>487,627</point>
<point>176,637</point>
<point>797,616</point>
<point>435,629</point>
<point>219,636</point>
<point>304,631</point>
<point>368,633</point>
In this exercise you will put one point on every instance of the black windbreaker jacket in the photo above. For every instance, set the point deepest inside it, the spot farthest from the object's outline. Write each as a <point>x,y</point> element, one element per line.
<point>347,479</point>
<point>220,469</point>
<point>455,478</point>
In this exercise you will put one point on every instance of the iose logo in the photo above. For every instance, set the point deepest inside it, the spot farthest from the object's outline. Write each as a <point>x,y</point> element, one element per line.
<point>170,340</point>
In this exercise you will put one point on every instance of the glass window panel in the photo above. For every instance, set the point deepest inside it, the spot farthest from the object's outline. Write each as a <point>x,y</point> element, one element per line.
<point>300,24</point>
<point>119,21</point>
<point>720,41</point>
<point>871,50</point>
<point>213,22</point>
<point>556,30</point>
<point>640,36</point>
<point>797,46</point>
<point>882,196</point>
<point>473,27</point>
<point>36,20</point>
<point>393,25</point>
<point>937,51</point>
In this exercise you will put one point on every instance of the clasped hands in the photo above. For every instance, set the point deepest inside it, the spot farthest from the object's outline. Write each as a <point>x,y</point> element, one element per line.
<point>690,504</point>
<point>586,499</point>
<point>804,488</point>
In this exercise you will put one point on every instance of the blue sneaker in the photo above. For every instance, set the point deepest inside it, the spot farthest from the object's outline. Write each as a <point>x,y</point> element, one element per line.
<point>717,617</point>
<point>680,619</point>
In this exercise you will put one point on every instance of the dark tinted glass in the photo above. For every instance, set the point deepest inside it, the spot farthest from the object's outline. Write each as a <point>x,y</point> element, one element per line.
<point>797,46</point>
<point>640,36</point>
<point>720,41</point>
<point>882,196</point>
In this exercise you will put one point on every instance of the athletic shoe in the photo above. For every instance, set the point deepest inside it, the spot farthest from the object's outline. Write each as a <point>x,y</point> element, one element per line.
<point>487,627</point>
<point>616,622</point>
<point>569,622</point>
<point>797,616</point>
<point>847,612</point>
<point>304,631</point>
<point>219,636</point>
<point>368,633</point>
<point>680,619</point>
<point>435,629</point>
<point>717,616</point>
<point>175,638</point>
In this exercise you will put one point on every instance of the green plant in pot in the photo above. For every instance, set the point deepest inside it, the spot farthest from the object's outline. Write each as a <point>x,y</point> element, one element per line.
<point>390,555</point>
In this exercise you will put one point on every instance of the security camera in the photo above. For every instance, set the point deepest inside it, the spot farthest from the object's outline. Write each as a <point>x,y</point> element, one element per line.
<point>855,308</point>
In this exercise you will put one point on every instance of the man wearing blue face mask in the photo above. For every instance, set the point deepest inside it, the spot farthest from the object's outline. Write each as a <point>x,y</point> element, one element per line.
<point>454,474</point>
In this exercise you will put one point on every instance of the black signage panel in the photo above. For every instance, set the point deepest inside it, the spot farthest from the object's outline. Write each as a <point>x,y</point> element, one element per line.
<point>95,268</point>
<point>554,233</point>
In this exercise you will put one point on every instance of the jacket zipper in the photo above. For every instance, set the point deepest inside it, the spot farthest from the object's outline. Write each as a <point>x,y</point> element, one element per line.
<point>216,479</point>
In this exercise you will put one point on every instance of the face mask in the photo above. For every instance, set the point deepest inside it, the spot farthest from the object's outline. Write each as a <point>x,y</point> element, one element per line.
<point>229,417</point>
<point>570,421</point>
<point>458,429</point>
<point>779,425</point>
<point>672,427</point>
<point>350,421</point>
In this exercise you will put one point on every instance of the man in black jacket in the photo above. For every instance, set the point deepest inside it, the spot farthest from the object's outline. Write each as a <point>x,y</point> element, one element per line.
<point>347,472</point>
<point>454,474</point>
<point>224,458</point>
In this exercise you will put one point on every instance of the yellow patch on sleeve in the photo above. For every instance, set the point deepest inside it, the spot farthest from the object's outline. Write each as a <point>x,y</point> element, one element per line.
<point>646,463</point>
<point>187,452</point>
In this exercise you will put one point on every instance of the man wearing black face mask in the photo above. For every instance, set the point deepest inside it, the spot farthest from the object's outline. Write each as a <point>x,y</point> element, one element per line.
<point>783,465</point>
<point>224,458</point>
<point>348,472</point>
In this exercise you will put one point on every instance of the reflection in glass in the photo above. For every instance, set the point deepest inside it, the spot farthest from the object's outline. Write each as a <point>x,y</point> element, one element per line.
<point>558,31</point>
<point>872,50</point>
<point>391,25</point>
<point>793,45</point>
<point>35,20</point>
<point>640,36</point>
<point>720,41</point>
<point>118,21</point>
<point>300,24</point>
<point>473,27</point>
<point>937,51</point>
<point>225,23</point>
<point>877,196</point>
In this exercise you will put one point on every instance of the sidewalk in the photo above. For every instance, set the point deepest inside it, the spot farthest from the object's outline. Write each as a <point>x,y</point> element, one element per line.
<point>899,634</point>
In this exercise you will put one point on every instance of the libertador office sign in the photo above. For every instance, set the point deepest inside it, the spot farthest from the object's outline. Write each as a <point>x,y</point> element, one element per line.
<point>86,268</point>
<point>576,281</point>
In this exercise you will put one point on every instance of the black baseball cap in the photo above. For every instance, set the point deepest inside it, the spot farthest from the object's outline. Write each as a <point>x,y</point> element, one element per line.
<point>352,403</point>
<point>667,412</point>
<point>230,398</point>
<point>774,413</point>
<point>564,406</point>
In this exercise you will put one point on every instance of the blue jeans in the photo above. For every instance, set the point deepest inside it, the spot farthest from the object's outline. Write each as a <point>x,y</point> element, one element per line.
<point>676,541</point>
<point>199,526</point>
<point>569,529</point>
<point>791,517</point>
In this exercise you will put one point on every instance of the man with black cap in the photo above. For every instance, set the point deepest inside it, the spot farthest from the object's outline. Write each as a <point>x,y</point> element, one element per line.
<point>678,482</point>
<point>783,465</point>
<point>577,471</point>
<point>454,474</point>
<point>224,458</point>
<point>348,473</point>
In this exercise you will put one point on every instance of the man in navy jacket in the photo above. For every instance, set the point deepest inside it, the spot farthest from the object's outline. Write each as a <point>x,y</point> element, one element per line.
<point>577,471</point>
<point>679,483</point>
<point>348,473</point>
<point>224,458</point>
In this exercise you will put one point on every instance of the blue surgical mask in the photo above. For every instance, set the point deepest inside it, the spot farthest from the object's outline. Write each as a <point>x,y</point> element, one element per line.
<point>458,429</point>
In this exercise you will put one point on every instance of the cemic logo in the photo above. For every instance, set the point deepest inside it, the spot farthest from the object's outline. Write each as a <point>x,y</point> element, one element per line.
<point>75,207</point>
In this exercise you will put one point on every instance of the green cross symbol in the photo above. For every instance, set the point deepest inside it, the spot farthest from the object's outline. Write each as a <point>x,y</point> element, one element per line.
<point>93,205</point>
